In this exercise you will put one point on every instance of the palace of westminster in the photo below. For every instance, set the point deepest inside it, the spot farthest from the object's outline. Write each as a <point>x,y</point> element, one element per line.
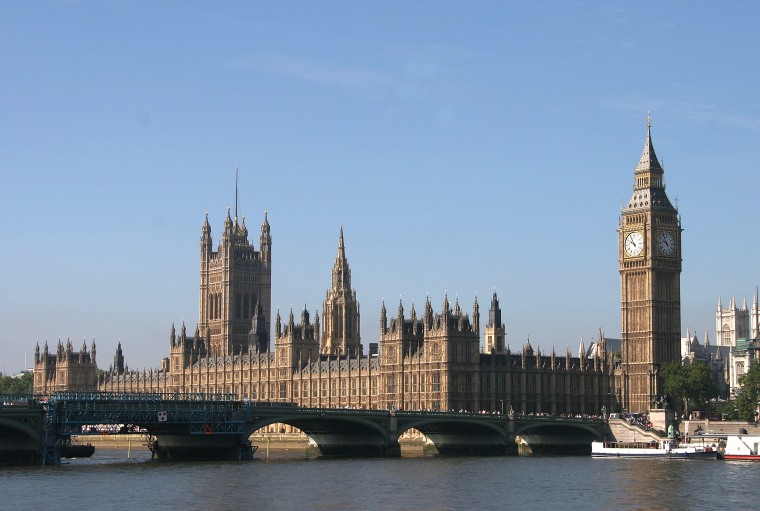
<point>428,360</point>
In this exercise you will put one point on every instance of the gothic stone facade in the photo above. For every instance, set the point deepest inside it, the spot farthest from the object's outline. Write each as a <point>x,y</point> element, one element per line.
<point>432,362</point>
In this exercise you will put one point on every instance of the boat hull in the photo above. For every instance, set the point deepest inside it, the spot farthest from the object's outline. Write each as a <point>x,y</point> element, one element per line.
<point>740,457</point>
<point>742,448</point>
<point>651,451</point>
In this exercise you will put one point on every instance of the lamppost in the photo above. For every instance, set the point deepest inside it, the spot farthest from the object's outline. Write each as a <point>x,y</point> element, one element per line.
<point>501,402</point>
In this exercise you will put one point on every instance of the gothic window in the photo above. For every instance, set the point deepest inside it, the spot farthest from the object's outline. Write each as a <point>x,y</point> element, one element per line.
<point>238,306</point>
<point>435,382</point>
<point>726,336</point>
<point>283,390</point>
<point>391,384</point>
<point>246,308</point>
<point>343,388</point>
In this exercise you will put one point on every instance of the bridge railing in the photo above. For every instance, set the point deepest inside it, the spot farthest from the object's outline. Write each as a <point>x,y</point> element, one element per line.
<point>16,399</point>
<point>142,396</point>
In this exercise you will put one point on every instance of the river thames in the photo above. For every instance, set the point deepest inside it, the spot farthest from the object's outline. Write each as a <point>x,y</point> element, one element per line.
<point>288,481</point>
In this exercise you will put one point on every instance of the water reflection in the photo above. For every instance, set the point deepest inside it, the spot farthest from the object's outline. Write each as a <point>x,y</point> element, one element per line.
<point>288,481</point>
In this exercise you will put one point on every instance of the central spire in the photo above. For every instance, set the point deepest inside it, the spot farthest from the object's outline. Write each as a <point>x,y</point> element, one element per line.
<point>341,246</point>
<point>341,271</point>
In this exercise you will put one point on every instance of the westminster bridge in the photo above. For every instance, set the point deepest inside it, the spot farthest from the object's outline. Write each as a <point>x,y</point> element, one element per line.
<point>200,426</point>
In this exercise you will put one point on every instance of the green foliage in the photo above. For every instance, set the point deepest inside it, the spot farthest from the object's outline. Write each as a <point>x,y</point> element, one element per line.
<point>692,382</point>
<point>20,385</point>
<point>729,409</point>
<point>749,393</point>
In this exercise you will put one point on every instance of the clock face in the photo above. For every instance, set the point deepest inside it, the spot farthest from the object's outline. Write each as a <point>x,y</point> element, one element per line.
<point>666,243</point>
<point>634,244</point>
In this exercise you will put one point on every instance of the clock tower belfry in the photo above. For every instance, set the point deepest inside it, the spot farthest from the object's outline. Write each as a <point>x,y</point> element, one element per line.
<point>649,243</point>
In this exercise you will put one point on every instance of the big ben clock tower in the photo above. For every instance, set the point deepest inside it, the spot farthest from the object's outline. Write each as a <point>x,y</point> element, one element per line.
<point>650,284</point>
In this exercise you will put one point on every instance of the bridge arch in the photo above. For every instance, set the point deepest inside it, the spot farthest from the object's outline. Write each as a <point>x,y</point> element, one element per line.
<point>556,436</point>
<point>336,434</point>
<point>9,426</point>
<point>476,435</point>
<point>21,439</point>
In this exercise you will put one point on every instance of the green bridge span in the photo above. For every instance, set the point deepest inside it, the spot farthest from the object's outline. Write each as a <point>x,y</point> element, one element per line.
<point>218,427</point>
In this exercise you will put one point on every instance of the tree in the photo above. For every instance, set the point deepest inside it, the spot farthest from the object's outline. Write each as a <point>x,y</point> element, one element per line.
<point>749,393</point>
<point>692,382</point>
<point>16,384</point>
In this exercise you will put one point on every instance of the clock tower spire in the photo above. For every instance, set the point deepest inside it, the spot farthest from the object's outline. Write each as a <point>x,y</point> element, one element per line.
<point>650,283</point>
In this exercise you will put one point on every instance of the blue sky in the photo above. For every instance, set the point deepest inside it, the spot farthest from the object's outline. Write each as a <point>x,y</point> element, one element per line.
<point>463,146</point>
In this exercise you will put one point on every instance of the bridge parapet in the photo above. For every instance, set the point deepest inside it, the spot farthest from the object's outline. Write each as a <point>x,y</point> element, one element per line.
<point>219,426</point>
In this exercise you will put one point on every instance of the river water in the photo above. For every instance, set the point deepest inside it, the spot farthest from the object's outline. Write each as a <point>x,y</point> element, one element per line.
<point>289,481</point>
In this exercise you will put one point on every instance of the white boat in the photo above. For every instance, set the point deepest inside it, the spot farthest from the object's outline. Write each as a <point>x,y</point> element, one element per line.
<point>742,447</point>
<point>668,448</point>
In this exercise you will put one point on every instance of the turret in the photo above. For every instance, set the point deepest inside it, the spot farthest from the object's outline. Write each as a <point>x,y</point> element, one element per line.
<point>118,360</point>
<point>244,230</point>
<point>494,332</point>
<point>265,241</point>
<point>206,243</point>
<point>304,321</point>
<point>476,317</point>
<point>427,315</point>
<point>258,336</point>
<point>317,331</point>
<point>227,234</point>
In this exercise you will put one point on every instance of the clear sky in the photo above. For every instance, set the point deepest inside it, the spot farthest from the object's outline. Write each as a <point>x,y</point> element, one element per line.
<point>463,146</point>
